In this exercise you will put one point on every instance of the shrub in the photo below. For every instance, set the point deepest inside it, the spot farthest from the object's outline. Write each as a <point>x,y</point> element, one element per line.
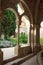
<point>23,38</point>
<point>13,40</point>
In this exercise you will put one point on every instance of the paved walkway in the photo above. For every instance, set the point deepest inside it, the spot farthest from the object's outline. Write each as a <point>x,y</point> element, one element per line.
<point>31,61</point>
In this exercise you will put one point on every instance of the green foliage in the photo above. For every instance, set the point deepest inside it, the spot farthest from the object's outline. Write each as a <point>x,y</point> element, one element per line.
<point>13,40</point>
<point>8,23</point>
<point>41,40</point>
<point>1,39</point>
<point>23,38</point>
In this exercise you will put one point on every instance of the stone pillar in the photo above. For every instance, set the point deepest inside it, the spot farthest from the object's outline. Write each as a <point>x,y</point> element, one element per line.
<point>18,38</point>
<point>37,35</point>
<point>1,53</point>
<point>32,36</point>
<point>1,57</point>
<point>37,44</point>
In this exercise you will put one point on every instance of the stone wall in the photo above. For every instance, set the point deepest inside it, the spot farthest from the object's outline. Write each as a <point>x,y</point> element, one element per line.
<point>23,51</point>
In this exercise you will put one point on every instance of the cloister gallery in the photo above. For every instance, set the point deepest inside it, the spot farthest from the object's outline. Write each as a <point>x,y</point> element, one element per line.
<point>21,32</point>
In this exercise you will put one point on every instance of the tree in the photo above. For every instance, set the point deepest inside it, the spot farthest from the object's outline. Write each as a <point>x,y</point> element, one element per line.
<point>8,23</point>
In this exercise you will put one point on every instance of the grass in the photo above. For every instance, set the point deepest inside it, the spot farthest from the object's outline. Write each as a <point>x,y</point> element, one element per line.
<point>41,40</point>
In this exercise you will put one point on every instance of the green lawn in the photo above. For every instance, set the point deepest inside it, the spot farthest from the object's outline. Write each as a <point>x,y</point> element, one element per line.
<point>41,40</point>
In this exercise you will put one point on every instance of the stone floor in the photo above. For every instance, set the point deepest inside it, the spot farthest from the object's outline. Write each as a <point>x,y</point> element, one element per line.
<point>31,61</point>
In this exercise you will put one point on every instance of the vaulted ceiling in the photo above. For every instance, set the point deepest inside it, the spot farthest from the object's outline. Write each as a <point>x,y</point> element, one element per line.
<point>35,6</point>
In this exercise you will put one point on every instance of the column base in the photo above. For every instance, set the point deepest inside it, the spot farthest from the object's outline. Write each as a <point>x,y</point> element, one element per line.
<point>37,48</point>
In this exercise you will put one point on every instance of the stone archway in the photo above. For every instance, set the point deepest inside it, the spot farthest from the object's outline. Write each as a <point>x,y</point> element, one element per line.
<point>31,18</point>
<point>25,30</point>
<point>27,12</point>
<point>11,49</point>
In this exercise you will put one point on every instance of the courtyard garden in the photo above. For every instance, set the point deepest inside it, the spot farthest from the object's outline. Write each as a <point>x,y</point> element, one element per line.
<point>11,42</point>
<point>8,34</point>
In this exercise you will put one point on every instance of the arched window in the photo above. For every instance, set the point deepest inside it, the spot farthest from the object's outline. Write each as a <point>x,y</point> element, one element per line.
<point>41,33</point>
<point>24,30</point>
<point>9,25</point>
<point>25,22</point>
<point>9,33</point>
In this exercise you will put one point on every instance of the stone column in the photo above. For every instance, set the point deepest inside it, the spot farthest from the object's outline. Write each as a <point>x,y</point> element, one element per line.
<point>1,53</point>
<point>1,57</point>
<point>37,45</point>
<point>32,37</point>
<point>19,48</point>
<point>37,35</point>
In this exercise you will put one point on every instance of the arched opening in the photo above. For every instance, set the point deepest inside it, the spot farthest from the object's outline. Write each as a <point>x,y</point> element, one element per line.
<point>24,31</point>
<point>41,33</point>
<point>9,24</point>
<point>25,20</point>
<point>9,34</point>
<point>25,17</point>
